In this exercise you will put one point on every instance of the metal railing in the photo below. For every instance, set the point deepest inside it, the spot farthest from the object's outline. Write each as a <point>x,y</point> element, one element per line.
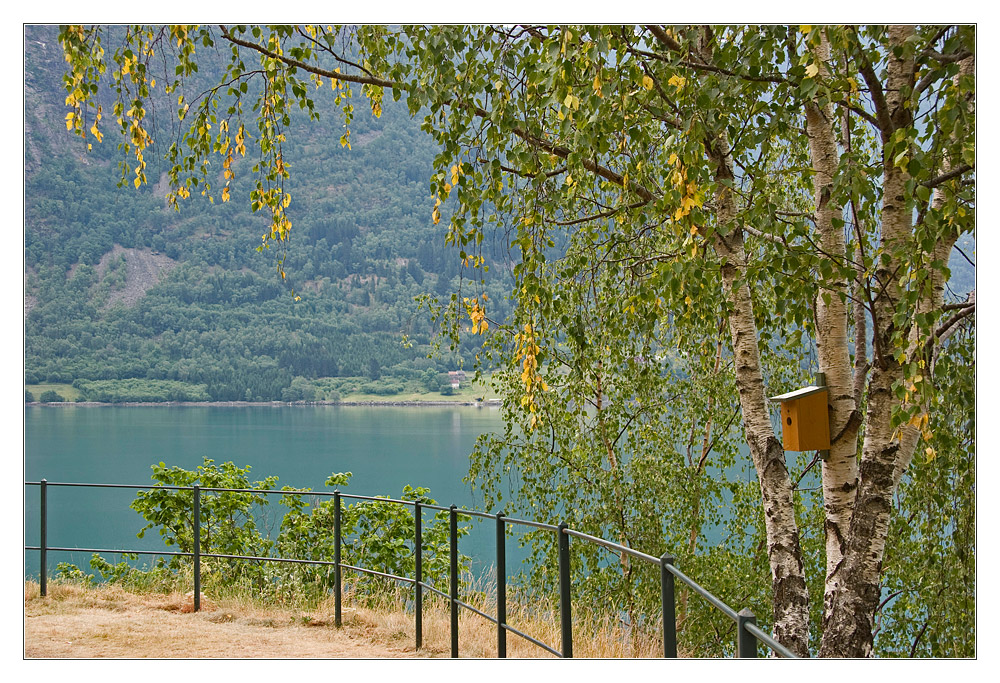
<point>748,634</point>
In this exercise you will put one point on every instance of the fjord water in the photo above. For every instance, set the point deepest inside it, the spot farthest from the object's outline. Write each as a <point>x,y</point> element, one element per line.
<point>385,447</point>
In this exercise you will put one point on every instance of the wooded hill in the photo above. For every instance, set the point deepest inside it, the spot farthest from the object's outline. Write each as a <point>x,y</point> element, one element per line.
<point>118,286</point>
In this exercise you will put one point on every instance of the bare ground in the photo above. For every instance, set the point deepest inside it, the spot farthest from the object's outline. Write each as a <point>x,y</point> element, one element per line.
<point>107,623</point>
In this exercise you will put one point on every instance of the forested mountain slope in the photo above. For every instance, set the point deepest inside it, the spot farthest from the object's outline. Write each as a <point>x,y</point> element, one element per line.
<point>120,286</point>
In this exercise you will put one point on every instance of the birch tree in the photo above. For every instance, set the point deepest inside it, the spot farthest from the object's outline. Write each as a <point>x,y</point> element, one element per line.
<point>689,201</point>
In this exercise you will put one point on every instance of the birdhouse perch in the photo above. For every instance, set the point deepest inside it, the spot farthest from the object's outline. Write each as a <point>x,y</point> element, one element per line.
<point>805,420</point>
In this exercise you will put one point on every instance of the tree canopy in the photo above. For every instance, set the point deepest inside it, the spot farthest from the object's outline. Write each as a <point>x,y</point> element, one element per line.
<point>698,216</point>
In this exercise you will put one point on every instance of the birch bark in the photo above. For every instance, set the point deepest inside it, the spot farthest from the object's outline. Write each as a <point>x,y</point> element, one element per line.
<point>790,597</point>
<point>840,469</point>
<point>852,601</point>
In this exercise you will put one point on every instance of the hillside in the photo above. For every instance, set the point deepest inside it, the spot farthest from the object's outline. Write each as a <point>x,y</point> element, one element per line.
<point>120,287</point>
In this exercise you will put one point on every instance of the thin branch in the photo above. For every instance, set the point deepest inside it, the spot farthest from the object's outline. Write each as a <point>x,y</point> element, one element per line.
<point>662,36</point>
<point>959,250</point>
<point>311,68</point>
<point>878,95</point>
<point>598,216</point>
<point>946,58</point>
<point>816,459</point>
<point>943,328</point>
<point>945,177</point>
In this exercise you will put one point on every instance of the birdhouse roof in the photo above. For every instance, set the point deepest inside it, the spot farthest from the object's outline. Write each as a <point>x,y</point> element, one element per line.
<point>798,393</point>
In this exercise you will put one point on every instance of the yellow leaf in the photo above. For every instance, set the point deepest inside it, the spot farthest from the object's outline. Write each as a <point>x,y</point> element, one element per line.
<point>647,82</point>
<point>930,454</point>
<point>137,182</point>
<point>225,194</point>
<point>805,28</point>
<point>677,81</point>
<point>812,70</point>
<point>597,85</point>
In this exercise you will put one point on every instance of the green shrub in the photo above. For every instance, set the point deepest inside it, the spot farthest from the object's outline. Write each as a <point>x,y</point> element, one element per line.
<point>377,536</point>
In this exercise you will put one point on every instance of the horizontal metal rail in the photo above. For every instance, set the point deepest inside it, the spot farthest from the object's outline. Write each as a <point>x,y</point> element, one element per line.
<point>469,607</point>
<point>432,589</point>
<point>714,601</point>
<point>769,641</point>
<point>527,522</point>
<point>109,486</point>
<point>745,621</point>
<point>110,552</point>
<point>508,627</point>
<point>613,546</point>
<point>375,573</point>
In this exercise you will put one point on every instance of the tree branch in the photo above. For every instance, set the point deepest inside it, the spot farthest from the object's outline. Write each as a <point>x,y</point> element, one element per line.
<point>878,95</point>
<point>312,68</point>
<point>945,177</point>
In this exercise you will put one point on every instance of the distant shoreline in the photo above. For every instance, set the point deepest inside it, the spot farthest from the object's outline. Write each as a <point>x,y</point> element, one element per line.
<point>269,404</point>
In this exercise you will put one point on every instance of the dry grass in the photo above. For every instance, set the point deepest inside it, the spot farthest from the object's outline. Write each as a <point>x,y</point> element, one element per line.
<point>108,621</point>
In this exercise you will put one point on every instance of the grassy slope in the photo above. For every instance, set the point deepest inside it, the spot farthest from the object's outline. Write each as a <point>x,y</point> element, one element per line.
<point>467,393</point>
<point>67,391</point>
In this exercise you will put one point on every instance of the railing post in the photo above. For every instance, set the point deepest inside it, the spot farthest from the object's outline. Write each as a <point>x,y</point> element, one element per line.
<point>746,642</point>
<point>669,613</point>
<point>43,541</point>
<point>418,598</point>
<point>336,559</point>
<point>565,598</point>
<point>453,534</point>
<point>501,586</point>
<point>197,548</point>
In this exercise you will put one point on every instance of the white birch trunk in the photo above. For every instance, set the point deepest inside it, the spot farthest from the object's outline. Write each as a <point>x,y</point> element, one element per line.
<point>790,596</point>
<point>849,621</point>
<point>840,469</point>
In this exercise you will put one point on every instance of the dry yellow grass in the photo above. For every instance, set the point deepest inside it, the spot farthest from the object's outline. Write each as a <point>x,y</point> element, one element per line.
<point>74,621</point>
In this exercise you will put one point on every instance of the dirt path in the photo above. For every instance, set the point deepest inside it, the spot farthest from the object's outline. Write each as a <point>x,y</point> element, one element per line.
<point>73,626</point>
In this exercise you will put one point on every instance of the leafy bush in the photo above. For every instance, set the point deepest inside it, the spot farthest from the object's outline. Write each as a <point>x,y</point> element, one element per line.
<point>141,391</point>
<point>382,388</point>
<point>51,397</point>
<point>377,536</point>
<point>28,396</point>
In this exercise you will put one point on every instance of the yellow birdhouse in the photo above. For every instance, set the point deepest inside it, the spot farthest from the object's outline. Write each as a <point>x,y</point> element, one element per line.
<point>805,420</point>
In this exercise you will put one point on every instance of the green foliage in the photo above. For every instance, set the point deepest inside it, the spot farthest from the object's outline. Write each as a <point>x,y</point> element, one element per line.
<point>28,396</point>
<point>228,520</point>
<point>376,536</point>
<point>51,397</point>
<point>70,573</point>
<point>929,592</point>
<point>140,391</point>
<point>601,154</point>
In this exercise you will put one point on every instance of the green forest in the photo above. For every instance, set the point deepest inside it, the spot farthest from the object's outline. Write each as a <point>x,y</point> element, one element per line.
<point>217,322</point>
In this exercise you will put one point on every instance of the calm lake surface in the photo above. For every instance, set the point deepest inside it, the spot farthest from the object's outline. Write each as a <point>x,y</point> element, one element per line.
<point>385,447</point>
